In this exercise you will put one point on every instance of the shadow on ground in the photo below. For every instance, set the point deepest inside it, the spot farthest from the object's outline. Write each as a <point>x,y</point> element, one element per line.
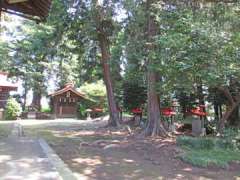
<point>95,152</point>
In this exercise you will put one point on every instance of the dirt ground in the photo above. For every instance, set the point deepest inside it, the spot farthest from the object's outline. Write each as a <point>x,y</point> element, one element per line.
<point>93,151</point>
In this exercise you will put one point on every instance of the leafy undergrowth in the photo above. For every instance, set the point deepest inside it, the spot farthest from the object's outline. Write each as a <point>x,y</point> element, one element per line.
<point>209,151</point>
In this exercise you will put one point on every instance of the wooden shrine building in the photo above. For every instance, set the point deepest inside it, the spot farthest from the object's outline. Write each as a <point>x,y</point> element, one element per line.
<point>5,88</point>
<point>65,101</point>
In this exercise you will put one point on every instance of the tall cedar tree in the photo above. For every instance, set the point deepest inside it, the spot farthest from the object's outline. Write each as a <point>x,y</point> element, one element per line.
<point>105,52</point>
<point>154,127</point>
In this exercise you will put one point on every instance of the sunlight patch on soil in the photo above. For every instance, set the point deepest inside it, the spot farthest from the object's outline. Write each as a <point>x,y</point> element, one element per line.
<point>88,161</point>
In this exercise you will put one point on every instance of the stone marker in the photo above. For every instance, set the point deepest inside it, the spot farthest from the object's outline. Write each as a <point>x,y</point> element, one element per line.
<point>196,126</point>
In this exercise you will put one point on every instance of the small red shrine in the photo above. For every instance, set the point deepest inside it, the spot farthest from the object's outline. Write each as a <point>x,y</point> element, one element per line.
<point>65,101</point>
<point>5,88</point>
<point>168,112</point>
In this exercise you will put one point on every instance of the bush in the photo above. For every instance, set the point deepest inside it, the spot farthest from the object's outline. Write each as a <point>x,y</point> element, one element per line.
<point>82,111</point>
<point>13,109</point>
<point>231,139</point>
<point>46,110</point>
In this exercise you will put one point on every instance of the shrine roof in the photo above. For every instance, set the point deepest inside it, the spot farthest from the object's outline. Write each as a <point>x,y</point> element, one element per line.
<point>32,9</point>
<point>68,87</point>
<point>5,83</point>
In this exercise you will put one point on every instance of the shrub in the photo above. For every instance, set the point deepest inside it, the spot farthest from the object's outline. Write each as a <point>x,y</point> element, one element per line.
<point>96,93</point>
<point>231,139</point>
<point>82,111</point>
<point>13,109</point>
<point>46,110</point>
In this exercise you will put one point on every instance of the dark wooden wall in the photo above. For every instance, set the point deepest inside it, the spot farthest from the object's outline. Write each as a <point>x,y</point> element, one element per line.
<point>4,94</point>
<point>66,104</point>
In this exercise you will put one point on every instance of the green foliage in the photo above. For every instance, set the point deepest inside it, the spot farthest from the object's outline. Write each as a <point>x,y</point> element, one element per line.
<point>134,95</point>
<point>46,110</point>
<point>82,114</point>
<point>231,139</point>
<point>205,151</point>
<point>13,109</point>
<point>96,93</point>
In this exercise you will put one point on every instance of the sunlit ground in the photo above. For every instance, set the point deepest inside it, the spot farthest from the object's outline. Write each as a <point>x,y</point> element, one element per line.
<point>95,152</point>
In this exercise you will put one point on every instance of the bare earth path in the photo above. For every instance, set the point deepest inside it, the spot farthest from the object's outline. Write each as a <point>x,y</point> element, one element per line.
<point>24,158</point>
<point>95,152</point>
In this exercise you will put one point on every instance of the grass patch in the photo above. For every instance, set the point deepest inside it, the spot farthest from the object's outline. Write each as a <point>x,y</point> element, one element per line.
<point>5,129</point>
<point>207,151</point>
<point>205,158</point>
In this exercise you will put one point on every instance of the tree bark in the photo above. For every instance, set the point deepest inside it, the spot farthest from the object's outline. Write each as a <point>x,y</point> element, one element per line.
<point>25,96</point>
<point>154,126</point>
<point>234,118</point>
<point>104,46</point>
<point>233,104</point>
<point>36,102</point>
<point>38,87</point>
<point>226,116</point>
<point>201,98</point>
<point>216,111</point>
<point>220,111</point>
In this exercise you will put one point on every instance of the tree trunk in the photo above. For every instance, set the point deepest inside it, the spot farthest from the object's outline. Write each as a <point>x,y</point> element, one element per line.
<point>25,96</point>
<point>220,111</point>
<point>233,104</point>
<point>216,111</point>
<point>38,89</point>
<point>154,126</point>
<point>104,46</point>
<point>226,116</point>
<point>234,118</point>
<point>201,98</point>
<point>36,101</point>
